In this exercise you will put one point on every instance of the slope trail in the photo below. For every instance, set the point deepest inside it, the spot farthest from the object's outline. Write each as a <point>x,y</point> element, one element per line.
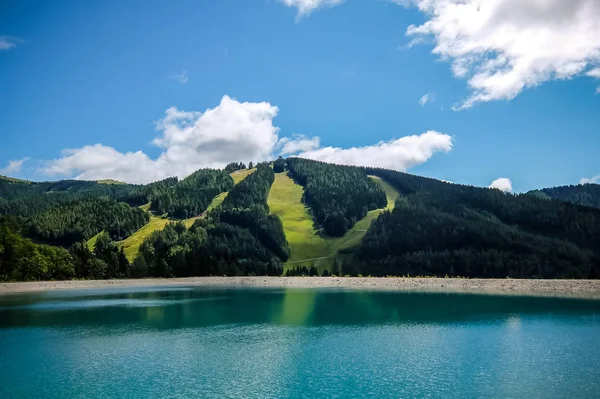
<point>285,201</point>
<point>131,245</point>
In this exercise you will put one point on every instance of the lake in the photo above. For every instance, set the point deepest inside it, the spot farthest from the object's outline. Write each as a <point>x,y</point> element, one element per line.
<point>211,342</point>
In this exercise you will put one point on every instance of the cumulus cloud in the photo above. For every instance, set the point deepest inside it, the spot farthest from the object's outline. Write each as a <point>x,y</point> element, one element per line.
<point>306,7</point>
<point>181,77</point>
<point>595,73</point>
<point>427,98</point>
<point>232,131</point>
<point>8,42</point>
<point>13,167</point>
<point>400,154</point>
<point>502,184</point>
<point>590,180</point>
<point>299,143</point>
<point>503,47</point>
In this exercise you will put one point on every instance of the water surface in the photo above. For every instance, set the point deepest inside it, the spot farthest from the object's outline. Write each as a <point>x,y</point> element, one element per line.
<point>296,343</point>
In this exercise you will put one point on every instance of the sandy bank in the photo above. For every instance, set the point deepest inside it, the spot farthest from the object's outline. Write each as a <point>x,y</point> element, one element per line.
<point>577,288</point>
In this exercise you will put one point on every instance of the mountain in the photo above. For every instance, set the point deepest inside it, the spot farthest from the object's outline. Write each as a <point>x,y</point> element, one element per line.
<point>296,215</point>
<point>581,194</point>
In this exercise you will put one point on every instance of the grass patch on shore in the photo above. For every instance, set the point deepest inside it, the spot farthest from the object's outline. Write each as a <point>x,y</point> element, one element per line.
<point>285,201</point>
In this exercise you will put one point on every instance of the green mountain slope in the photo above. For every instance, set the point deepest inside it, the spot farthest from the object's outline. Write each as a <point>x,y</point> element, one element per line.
<point>581,194</point>
<point>132,244</point>
<point>254,221</point>
<point>307,245</point>
<point>442,229</point>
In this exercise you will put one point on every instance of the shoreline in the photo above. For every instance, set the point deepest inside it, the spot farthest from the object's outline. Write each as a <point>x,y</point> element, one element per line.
<point>527,287</point>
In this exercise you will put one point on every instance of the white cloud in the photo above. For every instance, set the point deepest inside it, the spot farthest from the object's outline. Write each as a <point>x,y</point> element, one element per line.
<point>427,98</point>
<point>306,7</point>
<point>14,166</point>
<point>595,73</point>
<point>400,154</point>
<point>595,180</point>
<point>297,144</point>
<point>95,162</point>
<point>502,184</point>
<point>181,77</point>
<point>505,46</point>
<point>8,42</point>
<point>232,131</point>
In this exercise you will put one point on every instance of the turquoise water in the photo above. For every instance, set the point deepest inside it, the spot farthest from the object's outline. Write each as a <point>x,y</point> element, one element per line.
<point>296,343</point>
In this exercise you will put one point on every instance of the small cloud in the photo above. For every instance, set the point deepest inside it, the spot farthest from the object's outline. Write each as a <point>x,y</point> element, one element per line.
<point>502,184</point>
<point>298,143</point>
<point>181,77</point>
<point>594,73</point>
<point>598,90</point>
<point>8,42</point>
<point>427,98</point>
<point>590,180</point>
<point>306,7</point>
<point>403,3</point>
<point>14,166</point>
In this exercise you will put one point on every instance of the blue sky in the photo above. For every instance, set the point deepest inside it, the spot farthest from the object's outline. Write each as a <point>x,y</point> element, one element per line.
<point>246,80</point>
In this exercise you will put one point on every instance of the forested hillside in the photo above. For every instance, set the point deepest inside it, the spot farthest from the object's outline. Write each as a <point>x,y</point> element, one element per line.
<point>442,229</point>
<point>192,195</point>
<point>30,198</point>
<point>237,238</point>
<point>80,220</point>
<point>436,228</point>
<point>581,194</point>
<point>338,195</point>
<point>23,260</point>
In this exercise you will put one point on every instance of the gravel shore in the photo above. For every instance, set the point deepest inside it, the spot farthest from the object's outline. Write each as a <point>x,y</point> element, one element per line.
<point>570,288</point>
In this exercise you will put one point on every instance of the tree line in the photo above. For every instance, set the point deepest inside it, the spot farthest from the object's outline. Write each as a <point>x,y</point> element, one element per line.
<point>338,195</point>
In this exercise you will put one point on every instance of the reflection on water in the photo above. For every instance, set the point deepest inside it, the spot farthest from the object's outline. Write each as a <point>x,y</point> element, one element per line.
<point>232,342</point>
<point>195,307</point>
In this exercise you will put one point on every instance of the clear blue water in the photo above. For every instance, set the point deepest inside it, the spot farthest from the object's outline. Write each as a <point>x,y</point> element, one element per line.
<point>296,343</point>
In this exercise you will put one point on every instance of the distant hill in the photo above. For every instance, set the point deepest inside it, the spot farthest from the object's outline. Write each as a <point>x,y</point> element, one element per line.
<point>299,216</point>
<point>13,179</point>
<point>443,229</point>
<point>581,194</point>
